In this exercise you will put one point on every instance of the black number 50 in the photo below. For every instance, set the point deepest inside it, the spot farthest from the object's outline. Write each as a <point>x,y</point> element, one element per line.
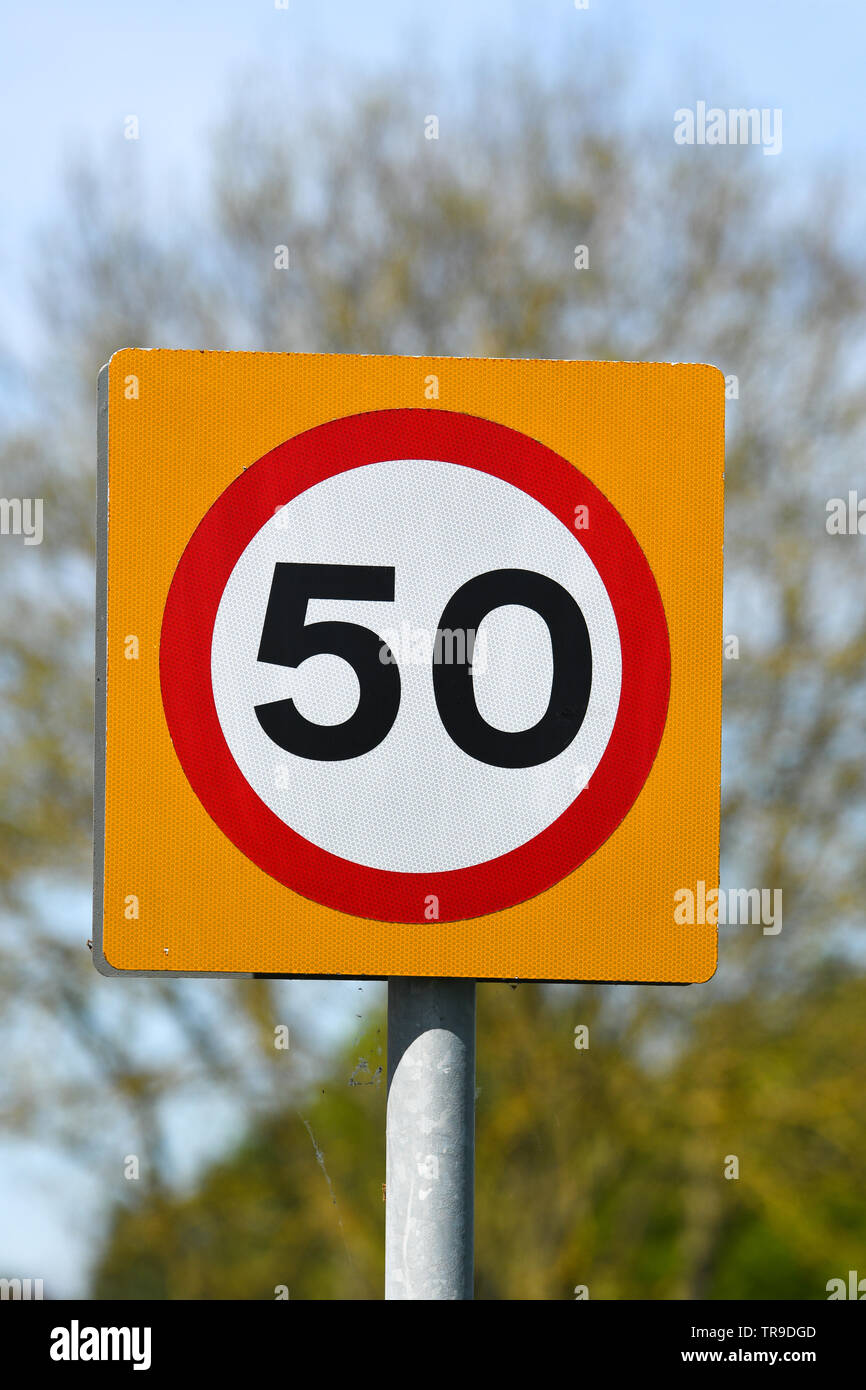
<point>287,640</point>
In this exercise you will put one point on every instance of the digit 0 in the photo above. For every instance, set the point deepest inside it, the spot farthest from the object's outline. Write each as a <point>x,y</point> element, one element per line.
<point>572,670</point>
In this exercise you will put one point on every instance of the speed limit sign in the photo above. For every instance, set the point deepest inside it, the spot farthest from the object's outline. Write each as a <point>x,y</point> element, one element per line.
<point>409,666</point>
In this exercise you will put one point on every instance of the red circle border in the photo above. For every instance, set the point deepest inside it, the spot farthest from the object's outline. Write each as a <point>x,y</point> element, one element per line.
<point>185,665</point>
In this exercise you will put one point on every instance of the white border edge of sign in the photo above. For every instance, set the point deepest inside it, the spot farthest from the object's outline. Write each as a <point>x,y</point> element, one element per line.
<point>99,714</point>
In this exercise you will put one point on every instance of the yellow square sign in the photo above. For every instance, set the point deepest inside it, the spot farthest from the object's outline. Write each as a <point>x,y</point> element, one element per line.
<point>407,666</point>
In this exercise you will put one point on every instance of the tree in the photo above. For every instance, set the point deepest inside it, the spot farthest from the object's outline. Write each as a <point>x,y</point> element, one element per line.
<point>466,244</point>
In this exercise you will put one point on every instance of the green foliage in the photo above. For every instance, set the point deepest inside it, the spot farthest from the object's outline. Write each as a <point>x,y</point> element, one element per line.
<point>596,1166</point>
<point>274,1213</point>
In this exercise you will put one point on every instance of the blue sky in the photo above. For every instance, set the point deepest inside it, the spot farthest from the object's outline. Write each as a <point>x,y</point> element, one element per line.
<point>71,73</point>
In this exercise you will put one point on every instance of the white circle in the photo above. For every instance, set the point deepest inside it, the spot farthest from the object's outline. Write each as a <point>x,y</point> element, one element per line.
<point>416,803</point>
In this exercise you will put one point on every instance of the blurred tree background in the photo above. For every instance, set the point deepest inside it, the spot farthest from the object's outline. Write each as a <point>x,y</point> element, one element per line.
<point>602,1167</point>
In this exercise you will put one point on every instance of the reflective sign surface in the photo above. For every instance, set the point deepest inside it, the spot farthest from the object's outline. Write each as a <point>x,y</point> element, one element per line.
<point>399,684</point>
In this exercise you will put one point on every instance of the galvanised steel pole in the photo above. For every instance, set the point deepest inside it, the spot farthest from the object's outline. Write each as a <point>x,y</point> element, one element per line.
<point>430,1159</point>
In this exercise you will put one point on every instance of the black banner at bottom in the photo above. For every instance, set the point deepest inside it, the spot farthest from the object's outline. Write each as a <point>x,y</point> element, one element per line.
<point>84,1338</point>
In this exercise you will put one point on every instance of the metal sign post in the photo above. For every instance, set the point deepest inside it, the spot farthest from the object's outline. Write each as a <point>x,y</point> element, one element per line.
<point>430,1166</point>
